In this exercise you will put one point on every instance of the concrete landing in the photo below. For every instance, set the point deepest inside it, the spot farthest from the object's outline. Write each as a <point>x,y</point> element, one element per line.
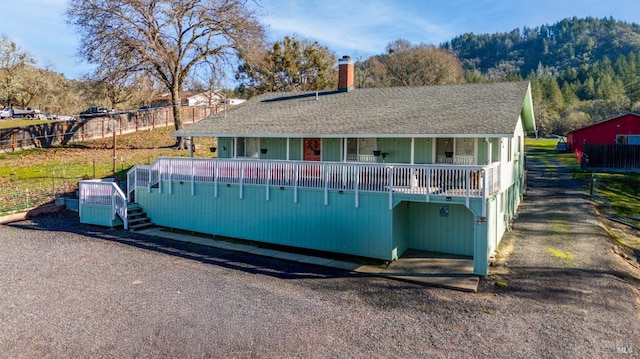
<point>434,269</point>
<point>420,267</point>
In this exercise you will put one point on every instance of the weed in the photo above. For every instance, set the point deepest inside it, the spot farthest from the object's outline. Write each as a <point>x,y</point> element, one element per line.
<point>567,257</point>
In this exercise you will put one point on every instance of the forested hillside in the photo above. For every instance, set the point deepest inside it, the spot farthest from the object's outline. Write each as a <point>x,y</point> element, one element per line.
<point>568,43</point>
<point>581,70</point>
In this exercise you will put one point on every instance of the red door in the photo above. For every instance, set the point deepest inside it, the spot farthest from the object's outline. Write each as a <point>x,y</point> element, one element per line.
<point>312,149</point>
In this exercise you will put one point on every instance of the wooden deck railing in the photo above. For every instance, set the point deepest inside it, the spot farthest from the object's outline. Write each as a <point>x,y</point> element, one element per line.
<point>426,180</point>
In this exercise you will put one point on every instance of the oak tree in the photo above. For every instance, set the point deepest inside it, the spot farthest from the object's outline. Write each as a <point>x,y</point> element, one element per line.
<point>167,39</point>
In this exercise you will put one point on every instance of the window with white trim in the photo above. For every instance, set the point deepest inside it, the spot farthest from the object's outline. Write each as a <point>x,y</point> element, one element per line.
<point>361,149</point>
<point>247,147</point>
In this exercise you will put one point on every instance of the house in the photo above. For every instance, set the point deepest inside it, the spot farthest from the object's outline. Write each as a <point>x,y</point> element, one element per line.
<point>621,129</point>
<point>164,99</point>
<point>207,98</point>
<point>366,172</point>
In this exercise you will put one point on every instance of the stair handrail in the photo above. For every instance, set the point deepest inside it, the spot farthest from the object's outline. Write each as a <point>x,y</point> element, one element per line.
<point>119,204</point>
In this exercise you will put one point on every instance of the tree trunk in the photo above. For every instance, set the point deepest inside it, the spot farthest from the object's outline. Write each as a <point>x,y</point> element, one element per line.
<point>181,143</point>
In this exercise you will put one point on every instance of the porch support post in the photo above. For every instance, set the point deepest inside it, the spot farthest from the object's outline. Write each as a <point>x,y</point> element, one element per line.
<point>295,183</point>
<point>413,150</point>
<point>344,149</point>
<point>326,185</point>
<point>241,192</point>
<point>489,150</point>
<point>357,186</point>
<point>288,147</point>
<point>390,185</point>
<point>170,178</point>
<point>193,179</point>
<point>428,183</point>
<point>480,248</point>
<point>467,175</point>
<point>215,179</point>
<point>268,180</point>
<point>484,193</point>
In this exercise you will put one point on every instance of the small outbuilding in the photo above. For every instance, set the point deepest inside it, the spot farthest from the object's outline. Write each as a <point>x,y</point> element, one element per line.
<point>621,130</point>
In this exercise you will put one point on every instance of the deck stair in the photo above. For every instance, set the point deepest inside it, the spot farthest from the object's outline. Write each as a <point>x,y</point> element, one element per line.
<point>137,218</point>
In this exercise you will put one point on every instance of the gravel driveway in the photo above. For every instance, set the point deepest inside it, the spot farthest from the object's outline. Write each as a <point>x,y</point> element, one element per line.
<point>71,290</point>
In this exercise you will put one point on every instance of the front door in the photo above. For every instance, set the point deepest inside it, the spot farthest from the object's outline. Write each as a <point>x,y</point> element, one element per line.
<point>312,149</point>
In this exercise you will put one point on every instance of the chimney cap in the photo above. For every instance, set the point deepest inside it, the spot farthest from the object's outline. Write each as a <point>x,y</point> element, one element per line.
<point>346,57</point>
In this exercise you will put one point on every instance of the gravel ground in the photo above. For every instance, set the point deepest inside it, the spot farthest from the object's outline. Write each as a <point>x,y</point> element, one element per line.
<point>72,290</point>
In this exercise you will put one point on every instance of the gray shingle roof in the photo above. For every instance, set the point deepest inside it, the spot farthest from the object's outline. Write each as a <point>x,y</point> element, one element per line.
<point>471,110</point>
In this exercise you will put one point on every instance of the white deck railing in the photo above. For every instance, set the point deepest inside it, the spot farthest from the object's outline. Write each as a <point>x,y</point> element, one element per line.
<point>428,180</point>
<point>104,193</point>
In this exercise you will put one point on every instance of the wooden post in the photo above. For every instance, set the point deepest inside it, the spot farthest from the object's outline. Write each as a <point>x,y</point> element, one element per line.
<point>114,148</point>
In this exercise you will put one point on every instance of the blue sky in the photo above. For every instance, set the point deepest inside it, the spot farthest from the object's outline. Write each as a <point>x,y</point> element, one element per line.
<point>359,28</point>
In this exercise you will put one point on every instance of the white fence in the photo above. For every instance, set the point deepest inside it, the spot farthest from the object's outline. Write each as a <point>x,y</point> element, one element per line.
<point>104,193</point>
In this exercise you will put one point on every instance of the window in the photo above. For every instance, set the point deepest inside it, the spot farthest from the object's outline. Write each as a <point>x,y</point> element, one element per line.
<point>455,150</point>
<point>247,147</point>
<point>361,149</point>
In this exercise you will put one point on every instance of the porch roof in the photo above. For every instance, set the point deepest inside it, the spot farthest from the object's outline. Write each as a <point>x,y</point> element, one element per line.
<point>461,110</point>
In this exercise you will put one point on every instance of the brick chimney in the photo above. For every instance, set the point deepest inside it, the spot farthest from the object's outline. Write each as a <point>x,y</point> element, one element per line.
<point>345,74</point>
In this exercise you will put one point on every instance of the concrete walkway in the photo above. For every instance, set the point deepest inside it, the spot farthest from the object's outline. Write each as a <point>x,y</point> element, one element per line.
<point>420,267</point>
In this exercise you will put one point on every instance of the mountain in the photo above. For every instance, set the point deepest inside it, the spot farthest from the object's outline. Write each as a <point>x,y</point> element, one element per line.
<point>567,43</point>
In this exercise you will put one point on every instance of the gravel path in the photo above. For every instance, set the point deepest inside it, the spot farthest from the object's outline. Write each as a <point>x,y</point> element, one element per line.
<point>71,290</point>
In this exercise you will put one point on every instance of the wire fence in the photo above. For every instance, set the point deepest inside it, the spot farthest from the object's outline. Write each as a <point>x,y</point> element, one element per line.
<point>22,195</point>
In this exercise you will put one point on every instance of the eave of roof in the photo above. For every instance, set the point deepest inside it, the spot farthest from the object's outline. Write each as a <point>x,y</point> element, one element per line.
<point>606,120</point>
<point>469,110</point>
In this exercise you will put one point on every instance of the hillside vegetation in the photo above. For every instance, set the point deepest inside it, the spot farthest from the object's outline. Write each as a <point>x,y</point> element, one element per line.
<point>581,70</point>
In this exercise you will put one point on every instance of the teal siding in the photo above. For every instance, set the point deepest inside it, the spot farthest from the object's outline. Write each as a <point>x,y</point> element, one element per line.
<point>276,148</point>
<point>446,228</point>
<point>295,149</point>
<point>483,148</point>
<point>423,151</point>
<point>398,149</point>
<point>225,146</point>
<point>99,215</point>
<point>338,227</point>
<point>331,149</point>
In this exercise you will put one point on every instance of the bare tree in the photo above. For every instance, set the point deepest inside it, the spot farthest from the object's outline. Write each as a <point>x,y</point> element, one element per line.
<point>164,38</point>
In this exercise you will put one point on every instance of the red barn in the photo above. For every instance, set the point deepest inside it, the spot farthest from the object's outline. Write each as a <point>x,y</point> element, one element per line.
<point>622,129</point>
